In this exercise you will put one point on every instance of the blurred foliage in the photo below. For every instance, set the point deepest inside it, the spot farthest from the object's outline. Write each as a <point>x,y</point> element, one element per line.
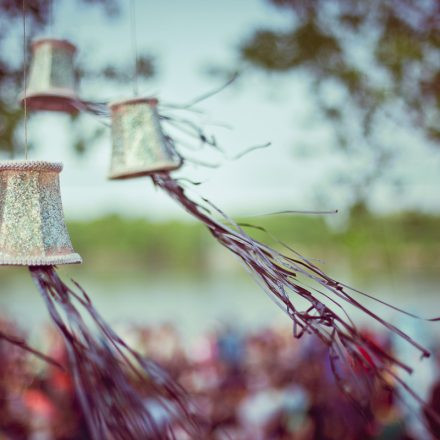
<point>38,17</point>
<point>404,242</point>
<point>382,57</point>
<point>137,244</point>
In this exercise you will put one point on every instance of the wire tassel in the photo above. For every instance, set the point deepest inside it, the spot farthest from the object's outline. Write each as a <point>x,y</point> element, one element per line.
<point>122,395</point>
<point>280,275</point>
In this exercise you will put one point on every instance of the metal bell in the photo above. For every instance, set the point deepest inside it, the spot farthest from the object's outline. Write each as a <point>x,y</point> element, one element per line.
<point>32,228</point>
<point>139,145</point>
<point>51,77</point>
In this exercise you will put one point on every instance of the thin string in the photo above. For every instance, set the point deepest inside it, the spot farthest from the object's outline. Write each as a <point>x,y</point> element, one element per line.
<point>24,82</point>
<point>50,18</point>
<point>134,46</point>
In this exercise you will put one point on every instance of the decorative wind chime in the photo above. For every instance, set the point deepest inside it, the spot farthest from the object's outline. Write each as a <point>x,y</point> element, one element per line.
<point>112,381</point>
<point>52,84</point>
<point>139,145</point>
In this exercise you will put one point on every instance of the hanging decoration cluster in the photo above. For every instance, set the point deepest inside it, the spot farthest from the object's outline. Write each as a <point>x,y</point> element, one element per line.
<point>116,387</point>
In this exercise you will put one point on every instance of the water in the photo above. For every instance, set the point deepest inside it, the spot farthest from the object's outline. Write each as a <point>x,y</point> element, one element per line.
<point>197,305</point>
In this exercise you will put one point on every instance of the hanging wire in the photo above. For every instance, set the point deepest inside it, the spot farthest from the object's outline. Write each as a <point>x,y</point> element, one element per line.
<point>50,18</point>
<point>24,82</point>
<point>134,46</point>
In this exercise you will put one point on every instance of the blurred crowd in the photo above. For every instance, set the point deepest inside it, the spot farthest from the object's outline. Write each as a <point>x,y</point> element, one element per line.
<point>259,385</point>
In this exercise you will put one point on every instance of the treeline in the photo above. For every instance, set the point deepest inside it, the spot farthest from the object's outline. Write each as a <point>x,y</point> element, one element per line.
<point>409,241</point>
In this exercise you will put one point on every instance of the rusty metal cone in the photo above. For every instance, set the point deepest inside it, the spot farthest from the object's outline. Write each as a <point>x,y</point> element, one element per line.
<point>139,145</point>
<point>32,227</point>
<point>51,77</point>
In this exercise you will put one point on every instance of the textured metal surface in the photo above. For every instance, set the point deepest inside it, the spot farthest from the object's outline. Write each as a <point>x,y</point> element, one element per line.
<point>32,228</point>
<point>139,145</point>
<point>51,84</point>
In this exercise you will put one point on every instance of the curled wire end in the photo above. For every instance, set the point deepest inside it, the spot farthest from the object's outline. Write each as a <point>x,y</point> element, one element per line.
<point>21,343</point>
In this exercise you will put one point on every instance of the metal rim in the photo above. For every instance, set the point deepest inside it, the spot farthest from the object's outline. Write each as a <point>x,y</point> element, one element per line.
<point>54,42</point>
<point>50,93</point>
<point>41,261</point>
<point>153,102</point>
<point>61,100</point>
<point>30,165</point>
<point>143,171</point>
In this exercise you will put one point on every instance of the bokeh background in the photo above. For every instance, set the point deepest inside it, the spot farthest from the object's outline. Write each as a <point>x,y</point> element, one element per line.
<point>347,92</point>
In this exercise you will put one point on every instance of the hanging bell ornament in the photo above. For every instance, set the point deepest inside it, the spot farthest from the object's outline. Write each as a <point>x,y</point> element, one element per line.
<point>139,145</point>
<point>51,77</point>
<point>32,228</point>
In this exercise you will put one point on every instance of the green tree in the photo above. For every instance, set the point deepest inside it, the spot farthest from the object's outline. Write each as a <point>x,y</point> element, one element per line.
<point>383,58</point>
<point>38,15</point>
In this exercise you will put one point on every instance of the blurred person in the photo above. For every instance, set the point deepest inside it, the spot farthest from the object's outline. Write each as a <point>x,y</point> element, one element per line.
<point>14,377</point>
<point>433,404</point>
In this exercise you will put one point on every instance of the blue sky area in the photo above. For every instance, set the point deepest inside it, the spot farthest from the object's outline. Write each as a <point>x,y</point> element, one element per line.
<point>186,37</point>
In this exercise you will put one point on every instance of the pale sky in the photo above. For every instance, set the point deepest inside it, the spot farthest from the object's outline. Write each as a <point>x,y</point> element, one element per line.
<point>186,36</point>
